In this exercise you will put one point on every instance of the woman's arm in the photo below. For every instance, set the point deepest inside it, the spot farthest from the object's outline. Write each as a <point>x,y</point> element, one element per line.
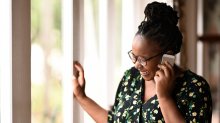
<point>164,79</point>
<point>199,101</point>
<point>170,111</point>
<point>91,107</point>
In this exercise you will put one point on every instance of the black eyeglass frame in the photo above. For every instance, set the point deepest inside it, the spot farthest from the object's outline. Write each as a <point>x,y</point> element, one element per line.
<point>145,59</point>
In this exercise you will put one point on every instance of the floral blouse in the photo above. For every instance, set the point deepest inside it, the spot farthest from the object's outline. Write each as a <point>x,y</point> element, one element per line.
<point>192,96</point>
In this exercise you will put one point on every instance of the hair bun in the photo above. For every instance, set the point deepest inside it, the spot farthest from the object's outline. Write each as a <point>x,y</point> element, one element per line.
<point>161,12</point>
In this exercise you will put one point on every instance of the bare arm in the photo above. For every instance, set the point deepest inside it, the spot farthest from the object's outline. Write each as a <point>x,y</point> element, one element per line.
<point>91,107</point>
<point>164,79</point>
<point>170,111</point>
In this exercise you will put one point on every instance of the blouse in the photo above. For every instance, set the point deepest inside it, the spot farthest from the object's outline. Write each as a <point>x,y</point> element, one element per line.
<point>191,94</point>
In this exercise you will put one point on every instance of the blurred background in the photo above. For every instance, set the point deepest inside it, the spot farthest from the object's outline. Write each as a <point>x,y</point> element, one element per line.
<point>98,33</point>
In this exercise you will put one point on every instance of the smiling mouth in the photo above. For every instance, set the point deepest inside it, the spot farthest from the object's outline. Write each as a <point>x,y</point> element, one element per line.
<point>144,73</point>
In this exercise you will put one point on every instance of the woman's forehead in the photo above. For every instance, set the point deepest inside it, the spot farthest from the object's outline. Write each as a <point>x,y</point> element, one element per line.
<point>144,45</point>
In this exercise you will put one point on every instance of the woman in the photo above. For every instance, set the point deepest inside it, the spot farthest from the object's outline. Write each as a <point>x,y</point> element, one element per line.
<point>152,91</point>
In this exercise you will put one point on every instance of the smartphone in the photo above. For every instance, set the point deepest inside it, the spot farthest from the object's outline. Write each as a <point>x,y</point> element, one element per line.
<point>169,58</point>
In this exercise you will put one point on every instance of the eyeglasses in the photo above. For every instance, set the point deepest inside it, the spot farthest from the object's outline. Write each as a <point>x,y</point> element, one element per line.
<point>140,59</point>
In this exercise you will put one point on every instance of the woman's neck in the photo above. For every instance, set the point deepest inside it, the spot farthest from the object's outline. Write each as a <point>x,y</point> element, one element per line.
<point>178,71</point>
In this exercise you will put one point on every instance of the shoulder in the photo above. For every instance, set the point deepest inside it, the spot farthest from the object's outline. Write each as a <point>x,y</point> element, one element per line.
<point>194,97</point>
<point>194,85</point>
<point>131,78</point>
<point>195,80</point>
<point>132,71</point>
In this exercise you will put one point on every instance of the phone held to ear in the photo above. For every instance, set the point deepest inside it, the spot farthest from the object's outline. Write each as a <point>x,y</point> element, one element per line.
<point>169,58</point>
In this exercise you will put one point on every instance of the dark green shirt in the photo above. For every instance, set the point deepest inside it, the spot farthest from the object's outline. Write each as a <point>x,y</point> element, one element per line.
<point>192,96</point>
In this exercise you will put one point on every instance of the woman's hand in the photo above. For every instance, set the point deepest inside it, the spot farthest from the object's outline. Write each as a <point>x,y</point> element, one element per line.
<point>164,79</point>
<point>78,81</point>
<point>99,114</point>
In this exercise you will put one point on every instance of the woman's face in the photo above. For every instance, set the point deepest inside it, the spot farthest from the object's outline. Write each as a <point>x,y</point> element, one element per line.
<point>145,48</point>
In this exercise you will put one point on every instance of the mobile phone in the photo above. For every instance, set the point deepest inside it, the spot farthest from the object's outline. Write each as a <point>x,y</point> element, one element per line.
<point>168,58</point>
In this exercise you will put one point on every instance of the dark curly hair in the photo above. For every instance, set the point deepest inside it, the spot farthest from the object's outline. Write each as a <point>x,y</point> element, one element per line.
<point>160,26</point>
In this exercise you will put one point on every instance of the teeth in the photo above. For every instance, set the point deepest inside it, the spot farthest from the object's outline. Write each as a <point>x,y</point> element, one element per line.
<point>144,73</point>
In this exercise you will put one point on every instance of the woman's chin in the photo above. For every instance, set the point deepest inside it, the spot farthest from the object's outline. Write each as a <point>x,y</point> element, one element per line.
<point>147,77</point>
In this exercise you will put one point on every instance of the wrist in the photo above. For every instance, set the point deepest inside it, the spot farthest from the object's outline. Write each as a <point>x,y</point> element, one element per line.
<point>164,97</point>
<point>80,98</point>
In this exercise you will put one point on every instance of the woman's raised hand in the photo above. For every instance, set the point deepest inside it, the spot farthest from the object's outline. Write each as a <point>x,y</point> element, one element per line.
<point>99,114</point>
<point>78,81</point>
<point>164,79</point>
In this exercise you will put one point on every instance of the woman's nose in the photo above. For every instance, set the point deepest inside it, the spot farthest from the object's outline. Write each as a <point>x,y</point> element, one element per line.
<point>138,65</point>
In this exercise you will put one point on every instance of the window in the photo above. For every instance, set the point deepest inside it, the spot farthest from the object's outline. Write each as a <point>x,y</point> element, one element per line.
<point>209,36</point>
<point>46,61</point>
<point>5,62</point>
<point>107,45</point>
<point>14,64</point>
